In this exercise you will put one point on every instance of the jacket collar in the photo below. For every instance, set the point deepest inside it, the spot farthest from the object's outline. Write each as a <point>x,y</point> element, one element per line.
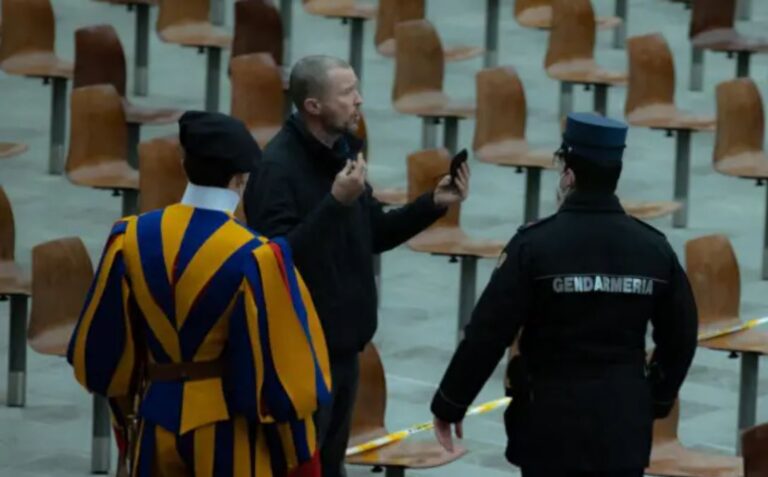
<point>579,201</point>
<point>347,147</point>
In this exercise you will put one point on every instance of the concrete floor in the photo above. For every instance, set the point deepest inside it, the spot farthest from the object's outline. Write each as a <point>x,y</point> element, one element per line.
<point>51,436</point>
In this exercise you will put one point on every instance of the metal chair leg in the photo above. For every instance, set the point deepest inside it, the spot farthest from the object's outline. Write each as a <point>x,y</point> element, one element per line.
<point>141,61</point>
<point>58,126</point>
<point>101,443</point>
<point>213,79</point>
<point>491,58</point>
<point>747,394</point>
<point>682,177</point>
<point>697,69</point>
<point>17,352</point>
<point>356,48</point>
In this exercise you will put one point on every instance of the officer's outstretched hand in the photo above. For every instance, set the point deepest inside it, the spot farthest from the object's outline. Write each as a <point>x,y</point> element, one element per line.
<point>443,433</point>
<point>448,192</point>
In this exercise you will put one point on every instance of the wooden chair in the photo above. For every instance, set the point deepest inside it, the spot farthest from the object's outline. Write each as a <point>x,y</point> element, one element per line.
<point>186,23</point>
<point>348,11</point>
<point>754,442</point>
<point>62,273</point>
<point>651,103</point>
<point>368,423</point>
<point>141,43</point>
<point>712,28</point>
<point>99,59</point>
<point>714,276</point>
<point>538,14</point>
<point>739,138</point>
<point>392,12</point>
<point>161,174</point>
<point>99,144</point>
<point>500,139</point>
<point>27,49</point>
<point>258,29</point>
<point>670,458</point>
<point>570,55</point>
<point>257,94</point>
<point>11,149</point>
<point>418,86</point>
<point>446,237</point>
<point>14,285</point>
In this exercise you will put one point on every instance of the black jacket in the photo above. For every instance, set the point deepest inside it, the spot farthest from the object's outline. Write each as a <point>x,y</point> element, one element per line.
<point>583,284</point>
<point>289,194</point>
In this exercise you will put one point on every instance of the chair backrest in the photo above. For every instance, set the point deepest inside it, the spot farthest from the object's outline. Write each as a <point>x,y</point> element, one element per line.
<point>7,228</point>
<point>161,174</point>
<point>419,62</point>
<point>754,444</point>
<point>99,58</point>
<point>525,9</point>
<point>665,430</point>
<point>98,134</point>
<point>573,32</point>
<point>501,106</point>
<point>708,15</point>
<point>28,27</point>
<point>257,90</point>
<point>62,273</point>
<point>368,412</point>
<point>740,119</point>
<point>258,29</point>
<point>393,12</point>
<point>182,12</point>
<point>425,169</point>
<point>714,276</point>
<point>651,73</point>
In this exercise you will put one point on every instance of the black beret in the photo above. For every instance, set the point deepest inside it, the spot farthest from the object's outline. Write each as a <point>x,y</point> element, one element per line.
<point>218,138</point>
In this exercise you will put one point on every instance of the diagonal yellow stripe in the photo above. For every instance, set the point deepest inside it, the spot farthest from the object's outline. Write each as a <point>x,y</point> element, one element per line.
<point>216,339</point>
<point>121,379</point>
<point>204,450</point>
<point>206,262</point>
<point>173,226</point>
<point>153,314</point>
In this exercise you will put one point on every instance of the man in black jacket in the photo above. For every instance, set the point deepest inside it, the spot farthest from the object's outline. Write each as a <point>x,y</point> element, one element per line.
<point>310,187</point>
<point>583,285</point>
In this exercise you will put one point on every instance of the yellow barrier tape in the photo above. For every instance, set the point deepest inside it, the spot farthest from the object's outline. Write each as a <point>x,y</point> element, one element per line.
<point>424,426</point>
<point>732,329</point>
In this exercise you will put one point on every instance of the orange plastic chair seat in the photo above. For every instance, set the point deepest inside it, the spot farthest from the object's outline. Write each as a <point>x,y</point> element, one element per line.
<point>667,116</point>
<point>728,39</point>
<point>197,35</point>
<point>143,115</point>
<point>650,210</point>
<point>672,459</point>
<point>751,165</point>
<point>10,149</point>
<point>340,9</point>
<point>408,454</point>
<point>391,196</point>
<point>13,280</point>
<point>106,173</point>
<point>38,64</point>
<point>131,2</point>
<point>454,242</point>
<point>514,153</point>
<point>433,104</point>
<point>541,18</point>
<point>585,72</point>
<point>747,341</point>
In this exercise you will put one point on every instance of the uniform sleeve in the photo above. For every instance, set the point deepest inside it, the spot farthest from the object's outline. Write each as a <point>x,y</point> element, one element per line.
<point>503,308</point>
<point>102,349</point>
<point>278,357</point>
<point>393,227</point>
<point>675,328</point>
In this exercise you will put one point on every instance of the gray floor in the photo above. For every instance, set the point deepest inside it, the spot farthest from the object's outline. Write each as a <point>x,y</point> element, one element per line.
<point>51,436</point>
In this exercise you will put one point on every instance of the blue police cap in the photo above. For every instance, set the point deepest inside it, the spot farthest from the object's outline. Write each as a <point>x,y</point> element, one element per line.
<point>595,137</point>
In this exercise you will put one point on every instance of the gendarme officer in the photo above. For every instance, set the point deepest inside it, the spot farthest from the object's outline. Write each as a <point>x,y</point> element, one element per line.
<point>582,285</point>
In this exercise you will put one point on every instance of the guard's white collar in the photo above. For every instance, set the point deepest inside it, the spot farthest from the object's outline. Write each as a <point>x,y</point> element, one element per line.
<point>213,198</point>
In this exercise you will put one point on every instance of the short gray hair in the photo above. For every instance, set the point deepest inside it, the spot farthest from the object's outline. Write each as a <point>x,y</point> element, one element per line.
<point>309,77</point>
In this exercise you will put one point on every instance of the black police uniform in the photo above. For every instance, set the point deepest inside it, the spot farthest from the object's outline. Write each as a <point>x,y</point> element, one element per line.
<point>583,285</point>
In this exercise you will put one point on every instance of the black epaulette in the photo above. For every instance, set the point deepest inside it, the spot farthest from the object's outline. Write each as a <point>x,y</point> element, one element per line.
<point>649,226</point>
<point>535,223</point>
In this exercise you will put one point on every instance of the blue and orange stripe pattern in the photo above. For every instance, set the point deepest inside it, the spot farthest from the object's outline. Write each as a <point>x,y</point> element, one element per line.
<point>196,285</point>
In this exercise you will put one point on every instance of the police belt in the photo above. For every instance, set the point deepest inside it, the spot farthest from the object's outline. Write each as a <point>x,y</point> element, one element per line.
<point>188,371</point>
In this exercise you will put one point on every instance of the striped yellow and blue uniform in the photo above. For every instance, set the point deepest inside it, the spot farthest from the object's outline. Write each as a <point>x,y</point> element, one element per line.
<point>185,284</point>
